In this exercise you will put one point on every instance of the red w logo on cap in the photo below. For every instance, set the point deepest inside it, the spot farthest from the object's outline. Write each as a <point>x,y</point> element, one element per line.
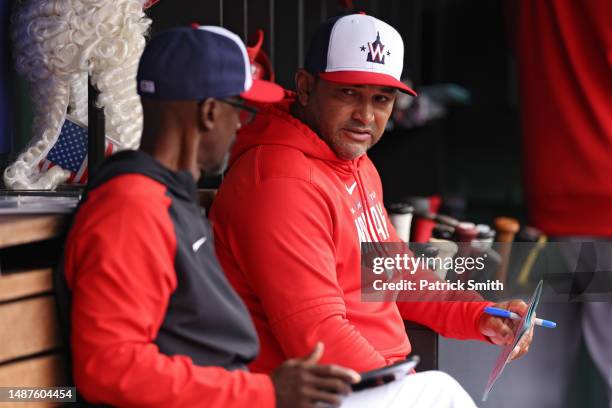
<point>376,51</point>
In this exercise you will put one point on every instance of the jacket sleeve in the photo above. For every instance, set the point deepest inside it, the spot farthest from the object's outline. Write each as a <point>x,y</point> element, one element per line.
<point>457,320</point>
<point>283,244</point>
<point>120,267</point>
<point>452,314</point>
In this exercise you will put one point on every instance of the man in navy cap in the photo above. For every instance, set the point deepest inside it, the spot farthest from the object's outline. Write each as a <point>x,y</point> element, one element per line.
<point>154,320</point>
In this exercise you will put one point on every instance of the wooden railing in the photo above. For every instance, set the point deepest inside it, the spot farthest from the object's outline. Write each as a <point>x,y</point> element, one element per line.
<point>31,353</point>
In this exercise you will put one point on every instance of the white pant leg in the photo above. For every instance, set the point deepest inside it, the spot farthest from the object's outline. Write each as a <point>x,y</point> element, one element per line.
<point>430,389</point>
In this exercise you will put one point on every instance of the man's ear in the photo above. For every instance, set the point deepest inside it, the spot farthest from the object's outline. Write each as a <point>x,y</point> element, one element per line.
<point>304,85</point>
<point>208,111</point>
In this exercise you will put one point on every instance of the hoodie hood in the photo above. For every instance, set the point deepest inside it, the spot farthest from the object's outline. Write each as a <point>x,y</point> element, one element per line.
<point>289,131</point>
<point>180,183</point>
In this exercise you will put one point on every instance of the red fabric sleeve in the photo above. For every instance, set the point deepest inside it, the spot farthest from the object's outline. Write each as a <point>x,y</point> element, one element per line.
<point>456,319</point>
<point>120,267</point>
<point>282,241</point>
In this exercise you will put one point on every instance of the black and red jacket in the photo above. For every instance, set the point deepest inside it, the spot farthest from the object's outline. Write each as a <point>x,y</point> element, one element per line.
<point>154,320</point>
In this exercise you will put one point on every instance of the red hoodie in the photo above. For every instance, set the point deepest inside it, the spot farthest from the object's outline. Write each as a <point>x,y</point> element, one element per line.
<point>288,221</point>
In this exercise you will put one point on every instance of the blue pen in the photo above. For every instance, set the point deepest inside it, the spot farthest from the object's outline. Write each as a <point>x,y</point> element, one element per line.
<point>495,311</point>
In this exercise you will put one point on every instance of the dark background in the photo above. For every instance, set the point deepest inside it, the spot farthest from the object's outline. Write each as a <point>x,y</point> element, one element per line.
<point>473,154</point>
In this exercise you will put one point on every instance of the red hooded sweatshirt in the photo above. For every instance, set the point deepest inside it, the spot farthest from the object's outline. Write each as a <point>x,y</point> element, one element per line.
<point>288,222</point>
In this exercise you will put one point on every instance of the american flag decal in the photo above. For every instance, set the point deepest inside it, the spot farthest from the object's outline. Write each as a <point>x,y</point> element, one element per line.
<point>70,151</point>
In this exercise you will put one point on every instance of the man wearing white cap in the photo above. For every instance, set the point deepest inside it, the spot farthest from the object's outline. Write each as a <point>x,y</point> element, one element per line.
<point>301,196</point>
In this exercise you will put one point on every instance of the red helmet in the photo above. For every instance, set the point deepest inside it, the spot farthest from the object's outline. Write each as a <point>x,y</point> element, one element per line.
<point>261,67</point>
<point>149,3</point>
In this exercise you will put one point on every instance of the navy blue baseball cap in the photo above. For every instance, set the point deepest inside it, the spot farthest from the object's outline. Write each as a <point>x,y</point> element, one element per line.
<point>195,63</point>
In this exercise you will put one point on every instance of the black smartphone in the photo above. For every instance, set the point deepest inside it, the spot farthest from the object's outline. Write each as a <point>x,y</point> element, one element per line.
<point>387,374</point>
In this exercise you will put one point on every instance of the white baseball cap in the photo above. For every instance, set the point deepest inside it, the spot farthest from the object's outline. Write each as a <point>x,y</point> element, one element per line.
<point>358,49</point>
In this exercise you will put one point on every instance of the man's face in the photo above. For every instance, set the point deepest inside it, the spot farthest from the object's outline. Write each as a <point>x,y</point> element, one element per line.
<point>349,118</point>
<point>214,156</point>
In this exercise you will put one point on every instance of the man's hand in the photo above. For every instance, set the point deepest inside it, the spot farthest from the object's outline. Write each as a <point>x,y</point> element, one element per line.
<point>301,382</point>
<point>501,331</point>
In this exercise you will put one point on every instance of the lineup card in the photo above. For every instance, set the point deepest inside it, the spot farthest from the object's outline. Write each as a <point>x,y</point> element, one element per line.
<point>523,327</point>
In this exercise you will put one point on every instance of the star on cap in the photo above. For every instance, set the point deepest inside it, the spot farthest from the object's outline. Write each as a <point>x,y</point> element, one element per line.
<point>388,53</point>
<point>362,48</point>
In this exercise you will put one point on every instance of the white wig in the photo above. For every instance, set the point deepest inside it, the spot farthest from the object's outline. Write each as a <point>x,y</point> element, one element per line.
<point>57,43</point>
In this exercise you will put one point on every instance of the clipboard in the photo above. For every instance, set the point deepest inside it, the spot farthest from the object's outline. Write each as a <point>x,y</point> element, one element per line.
<point>523,327</point>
